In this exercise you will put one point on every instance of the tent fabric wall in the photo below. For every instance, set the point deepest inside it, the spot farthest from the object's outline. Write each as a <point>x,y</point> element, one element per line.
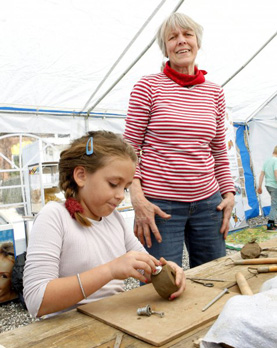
<point>262,140</point>
<point>55,53</point>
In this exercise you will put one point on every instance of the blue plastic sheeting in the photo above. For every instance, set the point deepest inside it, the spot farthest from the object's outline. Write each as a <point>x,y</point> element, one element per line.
<point>248,175</point>
<point>266,210</point>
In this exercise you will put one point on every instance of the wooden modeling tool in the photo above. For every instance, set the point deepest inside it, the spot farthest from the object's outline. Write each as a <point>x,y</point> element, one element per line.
<point>263,269</point>
<point>255,261</point>
<point>243,284</point>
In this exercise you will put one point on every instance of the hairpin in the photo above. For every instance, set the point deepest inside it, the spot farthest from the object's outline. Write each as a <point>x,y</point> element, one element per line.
<point>89,146</point>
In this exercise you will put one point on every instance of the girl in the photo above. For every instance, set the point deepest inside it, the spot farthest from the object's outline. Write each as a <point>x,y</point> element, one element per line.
<point>82,250</point>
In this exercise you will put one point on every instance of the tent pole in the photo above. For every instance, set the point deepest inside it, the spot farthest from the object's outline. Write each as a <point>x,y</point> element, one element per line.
<point>123,53</point>
<point>249,60</point>
<point>129,67</point>
<point>261,107</point>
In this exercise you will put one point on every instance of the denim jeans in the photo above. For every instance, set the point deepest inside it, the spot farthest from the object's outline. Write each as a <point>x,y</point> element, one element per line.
<point>196,224</point>
<point>273,209</point>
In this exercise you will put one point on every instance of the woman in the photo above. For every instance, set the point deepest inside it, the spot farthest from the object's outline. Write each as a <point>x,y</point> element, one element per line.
<point>183,189</point>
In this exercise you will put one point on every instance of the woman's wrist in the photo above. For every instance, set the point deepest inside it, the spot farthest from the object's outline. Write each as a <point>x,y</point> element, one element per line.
<point>228,194</point>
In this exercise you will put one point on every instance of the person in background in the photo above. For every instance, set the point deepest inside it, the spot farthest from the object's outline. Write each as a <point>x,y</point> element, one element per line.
<point>182,190</point>
<point>269,171</point>
<point>7,293</point>
<point>81,250</point>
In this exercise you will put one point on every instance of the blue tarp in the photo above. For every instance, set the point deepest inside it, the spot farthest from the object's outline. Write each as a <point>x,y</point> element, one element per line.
<point>248,175</point>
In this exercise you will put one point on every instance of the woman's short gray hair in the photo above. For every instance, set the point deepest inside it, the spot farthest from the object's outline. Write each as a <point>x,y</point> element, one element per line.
<point>174,21</point>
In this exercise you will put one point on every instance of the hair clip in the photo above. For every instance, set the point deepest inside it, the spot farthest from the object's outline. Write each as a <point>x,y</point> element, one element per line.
<point>89,146</point>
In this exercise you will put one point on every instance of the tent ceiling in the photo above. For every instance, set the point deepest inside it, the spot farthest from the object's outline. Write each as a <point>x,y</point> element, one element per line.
<point>56,52</point>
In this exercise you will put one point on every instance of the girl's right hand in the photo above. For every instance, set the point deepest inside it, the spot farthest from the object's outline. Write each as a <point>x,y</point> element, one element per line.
<point>131,264</point>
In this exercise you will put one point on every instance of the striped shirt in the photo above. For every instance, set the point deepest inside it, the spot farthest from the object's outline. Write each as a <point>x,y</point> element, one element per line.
<point>179,136</point>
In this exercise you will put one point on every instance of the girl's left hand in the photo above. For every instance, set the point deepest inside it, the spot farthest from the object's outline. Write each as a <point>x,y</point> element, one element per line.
<point>180,278</point>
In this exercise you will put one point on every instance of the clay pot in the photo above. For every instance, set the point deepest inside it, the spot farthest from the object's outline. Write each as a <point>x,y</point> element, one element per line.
<point>164,282</point>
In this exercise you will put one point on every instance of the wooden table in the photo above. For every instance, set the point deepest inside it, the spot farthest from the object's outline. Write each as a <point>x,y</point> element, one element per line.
<point>74,329</point>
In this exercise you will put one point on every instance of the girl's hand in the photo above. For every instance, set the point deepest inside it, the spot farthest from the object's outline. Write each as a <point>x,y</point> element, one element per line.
<point>133,264</point>
<point>180,278</point>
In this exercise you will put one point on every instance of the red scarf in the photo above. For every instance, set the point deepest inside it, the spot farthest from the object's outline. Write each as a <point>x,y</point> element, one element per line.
<point>183,79</point>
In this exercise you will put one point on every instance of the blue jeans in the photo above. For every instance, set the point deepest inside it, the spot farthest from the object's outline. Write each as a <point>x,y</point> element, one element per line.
<point>196,224</point>
<point>273,209</point>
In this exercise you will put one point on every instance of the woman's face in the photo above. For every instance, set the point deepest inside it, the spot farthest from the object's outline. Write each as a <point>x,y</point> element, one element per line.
<point>6,267</point>
<point>101,192</point>
<point>181,48</point>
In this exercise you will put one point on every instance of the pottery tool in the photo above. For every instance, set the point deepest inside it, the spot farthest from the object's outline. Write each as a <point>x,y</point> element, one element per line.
<point>254,261</point>
<point>225,291</point>
<point>207,279</point>
<point>118,340</point>
<point>243,284</point>
<point>263,269</point>
<point>208,284</point>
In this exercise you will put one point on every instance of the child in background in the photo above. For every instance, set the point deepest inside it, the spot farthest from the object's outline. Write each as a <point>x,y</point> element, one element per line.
<point>82,251</point>
<point>6,267</point>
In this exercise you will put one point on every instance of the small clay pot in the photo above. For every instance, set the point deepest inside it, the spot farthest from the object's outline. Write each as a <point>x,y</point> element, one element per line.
<point>251,250</point>
<point>164,282</point>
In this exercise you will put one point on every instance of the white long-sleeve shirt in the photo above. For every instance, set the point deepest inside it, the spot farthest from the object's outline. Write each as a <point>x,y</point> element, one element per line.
<point>60,247</point>
<point>179,136</point>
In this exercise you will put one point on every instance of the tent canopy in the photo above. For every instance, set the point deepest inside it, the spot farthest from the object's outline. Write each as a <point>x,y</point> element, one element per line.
<point>55,53</point>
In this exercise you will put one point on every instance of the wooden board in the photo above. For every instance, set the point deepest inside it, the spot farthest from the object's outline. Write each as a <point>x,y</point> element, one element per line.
<point>181,315</point>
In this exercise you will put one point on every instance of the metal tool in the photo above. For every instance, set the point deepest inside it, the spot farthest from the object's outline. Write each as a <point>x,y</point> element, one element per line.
<point>262,269</point>
<point>118,340</point>
<point>157,271</point>
<point>207,279</point>
<point>148,311</point>
<point>210,285</point>
<point>215,299</point>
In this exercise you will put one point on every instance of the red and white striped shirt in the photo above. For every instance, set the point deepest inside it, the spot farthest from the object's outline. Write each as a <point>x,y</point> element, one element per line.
<point>179,136</point>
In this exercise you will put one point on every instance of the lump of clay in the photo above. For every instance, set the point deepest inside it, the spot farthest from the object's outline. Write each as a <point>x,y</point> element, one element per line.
<point>251,250</point>
<point>164,282</point>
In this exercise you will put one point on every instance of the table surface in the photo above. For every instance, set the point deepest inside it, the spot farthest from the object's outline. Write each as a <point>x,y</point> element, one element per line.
<point>75,329</point>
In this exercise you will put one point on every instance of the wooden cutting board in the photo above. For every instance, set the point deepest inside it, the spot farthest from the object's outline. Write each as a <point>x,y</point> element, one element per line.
<point>181,315</point>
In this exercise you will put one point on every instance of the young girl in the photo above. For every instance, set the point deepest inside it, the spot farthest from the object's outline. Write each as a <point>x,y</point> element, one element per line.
<point>82,250</point>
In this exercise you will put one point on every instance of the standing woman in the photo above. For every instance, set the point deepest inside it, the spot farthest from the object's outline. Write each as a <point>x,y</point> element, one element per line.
<point>182,190</point>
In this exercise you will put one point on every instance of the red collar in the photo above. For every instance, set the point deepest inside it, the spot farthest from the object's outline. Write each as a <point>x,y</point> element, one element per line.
<point>183,79</point>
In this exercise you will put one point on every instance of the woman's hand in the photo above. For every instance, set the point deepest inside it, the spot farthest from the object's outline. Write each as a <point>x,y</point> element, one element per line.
<point>132,264</point>
<point>227,206</point>
<point>180,278</point>
<point>145,213</point>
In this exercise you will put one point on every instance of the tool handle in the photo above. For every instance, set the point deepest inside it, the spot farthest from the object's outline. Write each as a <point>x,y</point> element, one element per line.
<point>255,261</point>
<point>266,269</point>
<point>243,285</point>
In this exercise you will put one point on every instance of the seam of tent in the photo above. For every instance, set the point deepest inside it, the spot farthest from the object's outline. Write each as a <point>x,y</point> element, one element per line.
<point>60,112</point>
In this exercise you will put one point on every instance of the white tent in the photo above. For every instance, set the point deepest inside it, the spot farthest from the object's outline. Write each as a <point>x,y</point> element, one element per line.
<point>62,61</point>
